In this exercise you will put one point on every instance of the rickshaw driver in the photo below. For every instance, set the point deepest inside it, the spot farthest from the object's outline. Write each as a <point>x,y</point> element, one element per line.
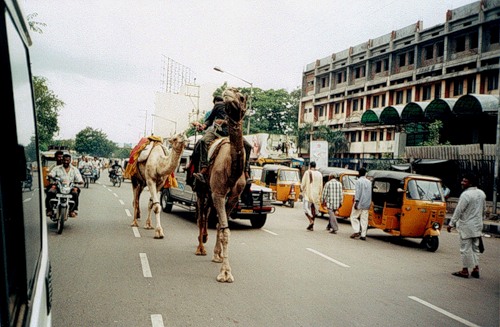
<point>215,126</point>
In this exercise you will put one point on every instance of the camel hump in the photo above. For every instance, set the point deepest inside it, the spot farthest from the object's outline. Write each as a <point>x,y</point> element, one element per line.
<point>214,147</point>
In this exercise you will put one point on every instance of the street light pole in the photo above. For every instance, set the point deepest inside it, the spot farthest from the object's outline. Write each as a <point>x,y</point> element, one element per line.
<point>220,70</point>
<point>145,120</point>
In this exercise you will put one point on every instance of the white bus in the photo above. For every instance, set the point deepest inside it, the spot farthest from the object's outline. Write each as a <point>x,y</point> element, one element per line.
<point>25,292</point>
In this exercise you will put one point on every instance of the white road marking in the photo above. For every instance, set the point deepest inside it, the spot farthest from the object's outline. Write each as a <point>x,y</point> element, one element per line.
<point>136,232</point>
<point>446,313</point>
<point>116,195</point>
<point>328,258</point>
<point>122,203</point>
<point>268,231</point>
<point>110,190</point>
<point>157,321</point>
<point>27,200</point>
<point>146,271</point>
<point>128,212</point>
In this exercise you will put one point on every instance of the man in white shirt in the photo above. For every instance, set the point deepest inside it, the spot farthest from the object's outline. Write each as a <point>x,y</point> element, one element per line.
<point>311,186</point>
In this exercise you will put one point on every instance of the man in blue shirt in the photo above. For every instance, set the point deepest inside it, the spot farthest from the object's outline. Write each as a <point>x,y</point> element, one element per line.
<point>362,202</point>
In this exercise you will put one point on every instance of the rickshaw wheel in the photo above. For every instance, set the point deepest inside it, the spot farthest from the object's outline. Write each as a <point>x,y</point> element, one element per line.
<point>431,243</point>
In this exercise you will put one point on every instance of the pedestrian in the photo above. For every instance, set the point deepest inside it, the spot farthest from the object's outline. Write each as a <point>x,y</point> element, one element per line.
<point>311,186</point>
<point>331,198</point>
<point>362,203</point>
<point>468,219</point>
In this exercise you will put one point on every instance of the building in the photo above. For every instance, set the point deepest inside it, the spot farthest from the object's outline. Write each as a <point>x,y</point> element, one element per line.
<point>384,93</point>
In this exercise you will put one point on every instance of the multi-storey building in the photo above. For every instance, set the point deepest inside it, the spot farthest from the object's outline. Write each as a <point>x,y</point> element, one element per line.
<point>383,93</point>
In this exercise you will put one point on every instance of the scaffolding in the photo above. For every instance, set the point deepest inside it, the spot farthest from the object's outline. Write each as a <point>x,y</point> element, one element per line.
<point>174,75</point>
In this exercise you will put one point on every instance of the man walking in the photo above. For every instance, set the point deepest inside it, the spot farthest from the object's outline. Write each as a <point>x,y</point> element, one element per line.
<point>312,185</point>
<point>332,199</point>
<point>362,202</point>
<point>468,219</point>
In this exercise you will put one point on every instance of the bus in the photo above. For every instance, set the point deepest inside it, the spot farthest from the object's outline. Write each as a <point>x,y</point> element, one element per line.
<point>25,273</point>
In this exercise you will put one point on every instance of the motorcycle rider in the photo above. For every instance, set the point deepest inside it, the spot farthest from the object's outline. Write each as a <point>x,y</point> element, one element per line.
<point>85,163</point>
<point>114,169</point>
<point>66,172</point>
<point>59,160</point>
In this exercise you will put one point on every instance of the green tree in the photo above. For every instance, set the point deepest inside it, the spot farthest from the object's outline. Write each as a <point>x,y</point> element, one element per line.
<point>47,107</point>
<point>34,25</point>
<point>434,133</point>
<point>337,143</point>
<point>94,142</point>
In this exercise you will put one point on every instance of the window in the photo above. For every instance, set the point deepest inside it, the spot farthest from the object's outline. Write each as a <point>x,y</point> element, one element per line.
<point>402,60</point>
<point>353,136</point>
<point>428,52</point>
<point>386,64</point>
<point>440,49</point>
<point>324,82</point>
<point>471,85</point>
<point>378,66</point>
<point>458,88</point>
<point>381,135</point>
<point>375,101</point>
<point>399,97</point>
<point>373,136</point>
<point>321,111</point>
<point>339,77</point>
<point>337,108</point>
<point>426,92</point>
<point>411,57</point>
<point>460,43</point>
<point>473,41</point>
<point>355,105</point>
<point>389,135</point>
<point>494,35</point>
<point>408,95</point>
<point>383,100</point>
<point>492,82</point>
<point>437,91</point>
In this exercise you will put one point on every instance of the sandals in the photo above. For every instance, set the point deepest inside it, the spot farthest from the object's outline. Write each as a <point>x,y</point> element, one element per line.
<point>73,214</point>
<point>461,274</point>
<point>310,227</point>
<point>475,273</point>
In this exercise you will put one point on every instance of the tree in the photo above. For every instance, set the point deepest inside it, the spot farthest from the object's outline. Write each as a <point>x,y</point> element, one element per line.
<point>434,133</point>
<point>94,142</point>
<point>337,143</point>
<point>47,106</point>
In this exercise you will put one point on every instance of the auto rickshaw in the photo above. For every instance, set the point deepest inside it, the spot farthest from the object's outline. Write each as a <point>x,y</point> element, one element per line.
<point>284,181</point>
<point>255,174</point>
<point>347,177</point>
<point>48,162</point>
<point>407,205</point>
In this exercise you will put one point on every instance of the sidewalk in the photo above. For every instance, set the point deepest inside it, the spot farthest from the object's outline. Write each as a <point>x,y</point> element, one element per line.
<point>491,223</point>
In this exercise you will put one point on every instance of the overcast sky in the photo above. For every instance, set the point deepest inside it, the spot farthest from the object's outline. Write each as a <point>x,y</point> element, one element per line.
<point>103,58</point>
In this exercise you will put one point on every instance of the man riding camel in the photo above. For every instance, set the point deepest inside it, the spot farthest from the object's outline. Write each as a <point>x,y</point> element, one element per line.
<point>215,126</point>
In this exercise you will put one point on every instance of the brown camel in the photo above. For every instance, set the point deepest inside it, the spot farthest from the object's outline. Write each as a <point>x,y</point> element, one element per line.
<point>152,173</point>
<point>226,181</point>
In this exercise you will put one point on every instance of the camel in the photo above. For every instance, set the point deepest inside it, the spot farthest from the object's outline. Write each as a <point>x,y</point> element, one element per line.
<point>226,181</point>
<point>152,173</point>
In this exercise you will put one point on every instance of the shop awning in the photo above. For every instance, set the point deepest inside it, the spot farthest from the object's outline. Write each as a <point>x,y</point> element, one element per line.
<point>371,117</point>
<point>391,115</point>
<point>473,104</point>
<point>439,109</point>
<point>413,112</point>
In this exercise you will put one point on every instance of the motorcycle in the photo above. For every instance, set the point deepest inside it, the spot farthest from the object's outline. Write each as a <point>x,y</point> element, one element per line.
<point>87,176</point>
<point>62,204</point>
<point>115,177</point>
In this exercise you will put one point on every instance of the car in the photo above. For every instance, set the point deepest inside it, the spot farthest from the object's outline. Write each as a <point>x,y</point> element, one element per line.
<point>183,196</point>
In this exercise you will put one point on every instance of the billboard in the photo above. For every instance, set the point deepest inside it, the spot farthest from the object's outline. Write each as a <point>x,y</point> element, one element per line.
<point>319,153</point>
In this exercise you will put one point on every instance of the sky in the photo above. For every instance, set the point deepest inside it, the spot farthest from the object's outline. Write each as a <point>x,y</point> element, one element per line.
<point>104,58</point>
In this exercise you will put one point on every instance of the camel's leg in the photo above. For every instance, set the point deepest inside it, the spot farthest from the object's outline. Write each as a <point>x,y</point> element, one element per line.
<point>148,224</point>
<point>201,219</point>
<point>225,275</point>
<point>137,189</point>
<point>156,208</point>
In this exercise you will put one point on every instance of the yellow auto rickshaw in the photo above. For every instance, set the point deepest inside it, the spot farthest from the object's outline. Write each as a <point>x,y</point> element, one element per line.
<point>48,162</point>
<point>407,205</point>
<point>347,177</point>
<point>284,181</point>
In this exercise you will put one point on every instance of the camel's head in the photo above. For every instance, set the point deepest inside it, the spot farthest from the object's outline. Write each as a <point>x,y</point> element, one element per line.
<point>236,104</point>
<point>178,142</point>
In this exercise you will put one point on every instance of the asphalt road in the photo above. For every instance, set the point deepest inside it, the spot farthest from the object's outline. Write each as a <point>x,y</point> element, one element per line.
<point>107,273</point>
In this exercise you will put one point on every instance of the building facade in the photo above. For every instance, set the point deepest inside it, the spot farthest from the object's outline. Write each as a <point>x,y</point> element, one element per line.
<point>383,94</point>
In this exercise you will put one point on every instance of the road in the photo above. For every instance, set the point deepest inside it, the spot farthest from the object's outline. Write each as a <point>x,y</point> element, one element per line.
<point>106,273</point>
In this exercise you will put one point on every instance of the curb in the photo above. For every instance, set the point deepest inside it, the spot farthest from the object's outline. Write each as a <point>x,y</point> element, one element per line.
<point>489,227</point>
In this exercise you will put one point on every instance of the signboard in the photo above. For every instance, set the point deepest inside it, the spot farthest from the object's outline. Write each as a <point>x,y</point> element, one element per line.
<point>319,153</point>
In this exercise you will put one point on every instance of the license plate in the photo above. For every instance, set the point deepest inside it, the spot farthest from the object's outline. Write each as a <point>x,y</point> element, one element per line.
<point>247,210</point>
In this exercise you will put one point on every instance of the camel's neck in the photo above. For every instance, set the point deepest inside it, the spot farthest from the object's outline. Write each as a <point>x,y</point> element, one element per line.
<point>171,160</point>
<point>236,135</point>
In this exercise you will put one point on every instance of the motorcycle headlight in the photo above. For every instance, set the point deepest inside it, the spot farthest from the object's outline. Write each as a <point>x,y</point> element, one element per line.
<point>436,225</point>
